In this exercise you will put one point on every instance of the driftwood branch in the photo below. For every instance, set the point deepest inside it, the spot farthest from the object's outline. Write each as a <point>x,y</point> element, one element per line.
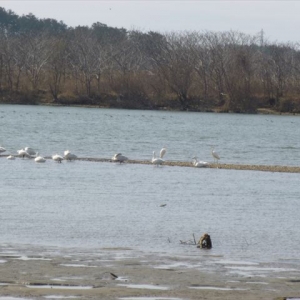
<point>189,242</point>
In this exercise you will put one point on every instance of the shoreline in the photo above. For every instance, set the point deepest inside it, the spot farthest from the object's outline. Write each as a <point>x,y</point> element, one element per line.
<point>259,111</point>
<point>122,273</point>
<point>263,168</point>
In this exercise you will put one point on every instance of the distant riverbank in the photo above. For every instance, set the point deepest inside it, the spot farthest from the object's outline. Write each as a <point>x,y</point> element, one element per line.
<point>262,111</point>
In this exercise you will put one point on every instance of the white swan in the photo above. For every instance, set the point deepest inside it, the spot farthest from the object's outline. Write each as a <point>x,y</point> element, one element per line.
<point>119,158</point>
<point>33,155</point>
<point>40,159</point>
<point>10,157</point>
<point>156,160</point>
<point>22,153</point>
<point>199,164</point>
<point>2,149</point>
<point>30,151</point>
<point>69,156</point>
<point>215,155</point>
<point>66,152</point>
<point>162,152</point>
<point>57,158</point>
<point>27,152</point>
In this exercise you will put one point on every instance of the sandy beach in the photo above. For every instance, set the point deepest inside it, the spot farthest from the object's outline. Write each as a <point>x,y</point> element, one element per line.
<point>118,273</point>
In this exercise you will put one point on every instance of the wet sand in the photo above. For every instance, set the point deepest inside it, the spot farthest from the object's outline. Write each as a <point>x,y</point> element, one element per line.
<point>127,274</point>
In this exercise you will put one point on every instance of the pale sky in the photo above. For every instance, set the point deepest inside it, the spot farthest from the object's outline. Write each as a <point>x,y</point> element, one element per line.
<point>280,20</point>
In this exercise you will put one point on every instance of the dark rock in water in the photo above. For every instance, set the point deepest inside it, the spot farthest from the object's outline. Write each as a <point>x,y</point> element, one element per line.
<point>205,242</point>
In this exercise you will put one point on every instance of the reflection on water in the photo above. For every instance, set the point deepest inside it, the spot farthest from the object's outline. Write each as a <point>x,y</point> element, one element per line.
<point>251,216</point>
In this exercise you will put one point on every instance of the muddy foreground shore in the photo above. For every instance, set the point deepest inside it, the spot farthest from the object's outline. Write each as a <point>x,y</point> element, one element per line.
<point>119,273</point>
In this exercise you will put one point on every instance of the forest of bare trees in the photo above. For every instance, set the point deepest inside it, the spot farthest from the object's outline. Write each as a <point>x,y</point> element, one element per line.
<point>44,61</point>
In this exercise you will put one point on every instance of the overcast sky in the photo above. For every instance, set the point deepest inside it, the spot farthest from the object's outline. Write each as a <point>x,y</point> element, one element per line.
<point>280,20</point>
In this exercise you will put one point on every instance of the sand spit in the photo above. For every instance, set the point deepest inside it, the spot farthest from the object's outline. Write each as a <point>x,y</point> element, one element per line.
<point>265,168</point>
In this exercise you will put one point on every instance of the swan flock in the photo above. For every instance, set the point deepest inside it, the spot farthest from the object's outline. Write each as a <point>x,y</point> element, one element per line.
<point>28,152</point>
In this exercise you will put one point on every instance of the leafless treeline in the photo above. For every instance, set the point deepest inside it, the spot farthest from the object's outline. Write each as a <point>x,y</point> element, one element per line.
<point>182,70</point>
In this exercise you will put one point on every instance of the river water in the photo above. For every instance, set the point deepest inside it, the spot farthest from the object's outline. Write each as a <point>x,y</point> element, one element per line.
<point>250,215</point>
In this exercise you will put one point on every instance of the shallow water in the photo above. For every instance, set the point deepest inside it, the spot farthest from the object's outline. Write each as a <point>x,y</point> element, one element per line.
<point>13,298</point>
<point>65,287</point>
<point>145,286</point>
<point>149,298</point>
<point>251,216</point>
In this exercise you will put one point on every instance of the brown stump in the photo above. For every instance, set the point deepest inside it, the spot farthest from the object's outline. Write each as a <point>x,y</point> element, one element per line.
<point>205,242</point>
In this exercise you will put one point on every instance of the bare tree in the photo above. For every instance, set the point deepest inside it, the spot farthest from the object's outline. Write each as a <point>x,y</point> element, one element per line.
<point>101,53</point>
<point>7,62</point>
<point>82,59</point>
<point>175,63</point>
<point>127,59</point>
<point>56,66</point>
<point>36,48</point>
